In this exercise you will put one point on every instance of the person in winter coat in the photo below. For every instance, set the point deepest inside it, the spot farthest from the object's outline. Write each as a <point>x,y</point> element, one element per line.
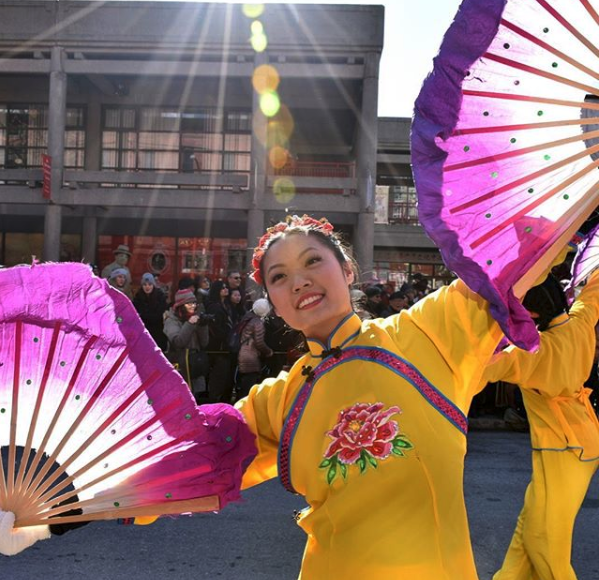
<point>187,336</point>
<point>150,303</point>
<point>252,348</point>
<point>220,383</point>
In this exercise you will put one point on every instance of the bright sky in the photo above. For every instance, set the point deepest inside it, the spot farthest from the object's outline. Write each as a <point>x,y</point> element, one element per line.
<point>413,32</point>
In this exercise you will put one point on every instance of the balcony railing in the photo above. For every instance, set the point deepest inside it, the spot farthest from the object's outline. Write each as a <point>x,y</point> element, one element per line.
<point>154,179</point>
<point>317,169</point>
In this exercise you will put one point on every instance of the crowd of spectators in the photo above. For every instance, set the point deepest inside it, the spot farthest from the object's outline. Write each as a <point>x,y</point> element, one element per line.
<point>219,338</point>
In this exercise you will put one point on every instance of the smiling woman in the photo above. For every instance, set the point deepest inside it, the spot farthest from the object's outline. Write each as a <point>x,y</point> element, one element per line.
<point>374,407</point>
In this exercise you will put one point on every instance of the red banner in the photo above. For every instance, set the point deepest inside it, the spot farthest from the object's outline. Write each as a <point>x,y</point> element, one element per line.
<point>47,172</point>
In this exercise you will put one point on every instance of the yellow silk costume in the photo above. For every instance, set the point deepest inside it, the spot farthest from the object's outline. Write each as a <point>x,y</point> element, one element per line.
<point>565,439</point>
<point>375,439</point>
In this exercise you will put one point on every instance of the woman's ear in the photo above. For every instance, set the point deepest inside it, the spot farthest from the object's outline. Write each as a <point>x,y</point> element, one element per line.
<point>349,273</point>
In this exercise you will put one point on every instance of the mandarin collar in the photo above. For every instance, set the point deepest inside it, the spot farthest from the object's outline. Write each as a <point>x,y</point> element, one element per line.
<point>342,334</point>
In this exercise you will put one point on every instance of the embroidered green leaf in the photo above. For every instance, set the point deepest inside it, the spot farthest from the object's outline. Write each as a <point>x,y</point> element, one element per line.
<point>325,463</point>
<point>343,468</point>
<point>331,474</point>
<point>371,460</point>
<point>402,443</point>
<point>397,451</point>
<point>362,465</point>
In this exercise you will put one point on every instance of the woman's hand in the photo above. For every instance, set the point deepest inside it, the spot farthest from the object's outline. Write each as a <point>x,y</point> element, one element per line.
<point>13,541</point>
<point>194,319</point>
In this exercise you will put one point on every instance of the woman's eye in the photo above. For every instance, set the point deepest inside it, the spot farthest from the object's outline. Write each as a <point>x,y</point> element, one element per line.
<point>313,260</point>
<point>275,278</point>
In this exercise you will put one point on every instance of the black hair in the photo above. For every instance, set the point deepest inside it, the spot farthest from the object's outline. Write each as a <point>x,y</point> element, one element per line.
<point>214,292</point>
<point>548,300</point>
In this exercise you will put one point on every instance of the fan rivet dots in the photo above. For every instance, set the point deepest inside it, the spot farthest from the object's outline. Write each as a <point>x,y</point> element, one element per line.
<point>150,402</point>
<point>528,229</point>
<point>228,439</point>
<point>62,363</point>
<point>119,319</point>
<point>489,262</point>
<point>566,196</point>
<point>168,495</point>
<point>187,415</point>
<point>36,339</point>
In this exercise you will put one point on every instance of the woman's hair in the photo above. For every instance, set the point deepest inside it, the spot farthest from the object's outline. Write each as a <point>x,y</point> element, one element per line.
<point>181,313</point>
<point>548,300</point>
<point>214,292</point>
<point>322,230</point>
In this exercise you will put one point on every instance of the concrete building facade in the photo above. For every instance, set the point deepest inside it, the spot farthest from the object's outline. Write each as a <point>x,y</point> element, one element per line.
<point>184,129</point>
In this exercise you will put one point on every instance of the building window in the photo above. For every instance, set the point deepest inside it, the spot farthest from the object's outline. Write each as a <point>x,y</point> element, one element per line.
<point>165,139</point>
<point>24,136</point>
<point>403,204</point>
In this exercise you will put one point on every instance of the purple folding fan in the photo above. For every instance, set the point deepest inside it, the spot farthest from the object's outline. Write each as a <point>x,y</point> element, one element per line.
<point>505,145</point>
<point>94,421</point>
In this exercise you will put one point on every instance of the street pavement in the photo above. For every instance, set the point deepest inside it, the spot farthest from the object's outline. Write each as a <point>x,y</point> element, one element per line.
<point>258,539</point>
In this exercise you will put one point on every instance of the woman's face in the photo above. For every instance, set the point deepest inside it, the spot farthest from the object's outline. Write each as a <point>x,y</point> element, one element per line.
<point>235,296</point>
<point>191,307</point>
<point>224,292</point>
<point>306,284</point>
<point>147,287</point>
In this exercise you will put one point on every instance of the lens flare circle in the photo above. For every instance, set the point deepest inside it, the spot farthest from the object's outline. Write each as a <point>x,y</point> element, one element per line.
<point>257,27</point>
<point>278,157</point>
<point>265,79</point>
<point>270,103</point>
<point>283,189</point>
<point>259,42</point>
<point>253,10</point>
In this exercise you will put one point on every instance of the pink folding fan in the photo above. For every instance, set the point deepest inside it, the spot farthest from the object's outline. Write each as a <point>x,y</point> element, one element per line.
<point>505,144</point>
<point>94,421</point>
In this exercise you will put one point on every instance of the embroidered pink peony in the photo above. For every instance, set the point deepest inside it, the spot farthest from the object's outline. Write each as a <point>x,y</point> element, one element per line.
<point>363,434</point>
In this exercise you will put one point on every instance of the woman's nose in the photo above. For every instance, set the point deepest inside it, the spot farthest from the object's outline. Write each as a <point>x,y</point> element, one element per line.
<point>301,282</point>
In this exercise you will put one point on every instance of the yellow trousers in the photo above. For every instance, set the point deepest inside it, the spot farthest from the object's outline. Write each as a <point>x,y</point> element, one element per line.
<point>542,543</point>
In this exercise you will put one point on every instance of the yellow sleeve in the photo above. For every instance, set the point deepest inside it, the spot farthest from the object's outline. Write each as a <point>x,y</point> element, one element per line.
<point>462,331</point>
<point>264,412</point>
<point>565,356</point>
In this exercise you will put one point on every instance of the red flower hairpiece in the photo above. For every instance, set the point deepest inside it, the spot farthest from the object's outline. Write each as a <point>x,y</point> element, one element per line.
<point>291,221</point>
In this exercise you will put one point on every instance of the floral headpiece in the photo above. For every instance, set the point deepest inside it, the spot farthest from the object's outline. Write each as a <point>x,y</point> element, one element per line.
<point>291,221</point>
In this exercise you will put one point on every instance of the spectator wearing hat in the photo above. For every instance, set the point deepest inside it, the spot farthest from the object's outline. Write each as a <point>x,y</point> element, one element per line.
<point>252,348</point>
<point>187,335</point>
<point>121,258</point>
<point>150,303</point>
<point>398,301</point>
<point>118,280</point>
